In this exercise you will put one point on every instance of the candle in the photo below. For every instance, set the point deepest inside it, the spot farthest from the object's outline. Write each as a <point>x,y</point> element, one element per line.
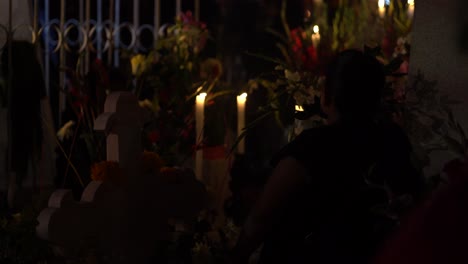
<point>316,36</point>
<point>199,123</point>
<point>410,8</point>
<point>382,8</point>
<point>299,108</point>
<point>241,99</point>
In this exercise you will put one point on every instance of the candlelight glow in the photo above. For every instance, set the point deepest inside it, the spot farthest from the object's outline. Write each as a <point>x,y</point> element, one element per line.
<point>382,8</point>
<point>410,8</point>
<point>382,3</point>
<point>241,100</point>
<point>316,36</point>
<point>202,95</point>
<point>316,29</point>
<point>299,108</point>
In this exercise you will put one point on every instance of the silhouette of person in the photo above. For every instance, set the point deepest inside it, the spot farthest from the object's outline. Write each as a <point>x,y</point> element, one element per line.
<point>317,205</point>
<point>26,91</point>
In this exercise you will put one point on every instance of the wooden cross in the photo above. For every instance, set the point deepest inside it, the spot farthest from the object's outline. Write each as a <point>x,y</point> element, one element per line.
<point>125,222</point>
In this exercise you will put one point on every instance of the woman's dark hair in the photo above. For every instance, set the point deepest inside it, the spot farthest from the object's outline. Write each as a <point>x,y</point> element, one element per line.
<point>354,82</point>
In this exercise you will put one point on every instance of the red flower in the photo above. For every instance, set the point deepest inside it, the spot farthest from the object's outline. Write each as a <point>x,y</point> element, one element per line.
<point>306,54</point>
<point>309,59</point>
<point>296,35</point>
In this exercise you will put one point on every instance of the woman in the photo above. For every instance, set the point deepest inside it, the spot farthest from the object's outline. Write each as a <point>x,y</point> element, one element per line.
<point>317,206</point>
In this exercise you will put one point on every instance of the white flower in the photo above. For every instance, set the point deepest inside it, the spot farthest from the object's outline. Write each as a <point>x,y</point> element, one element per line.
<point>66,130</point>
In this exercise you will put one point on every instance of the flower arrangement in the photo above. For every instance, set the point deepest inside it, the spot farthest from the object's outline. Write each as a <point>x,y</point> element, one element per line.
<point>167,81</point>
<point>294,86</point>
<point>413,102</point>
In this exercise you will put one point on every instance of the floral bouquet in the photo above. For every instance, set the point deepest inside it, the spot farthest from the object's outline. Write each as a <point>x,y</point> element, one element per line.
<point>294,86</point>
<point>167,81</point>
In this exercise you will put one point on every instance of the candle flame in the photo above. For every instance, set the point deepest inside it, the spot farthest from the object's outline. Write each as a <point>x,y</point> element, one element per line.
<point>411,2</point>
<point>243,95</point>
<point>381,3</point>
<point>316,29</point>
<point>299,108</point>
<point>202,95</point>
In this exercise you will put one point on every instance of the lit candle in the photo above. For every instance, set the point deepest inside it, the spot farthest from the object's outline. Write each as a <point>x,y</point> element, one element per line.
<point>199,123</point>
<point>316,36</point>
<point>299,108</point>
<point>241,99</point>
<point>410,8</point>
<point>382,8</point>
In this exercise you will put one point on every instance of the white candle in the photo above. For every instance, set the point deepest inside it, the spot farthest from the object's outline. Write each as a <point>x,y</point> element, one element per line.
<point>410,8</point>
<point>316,36</point>
<point>241,100</point>
<point>382,8</point>
<point>199,123</point>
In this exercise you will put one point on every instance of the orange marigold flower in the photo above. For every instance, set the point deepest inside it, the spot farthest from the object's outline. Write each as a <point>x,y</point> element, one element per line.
<point>106,171</point>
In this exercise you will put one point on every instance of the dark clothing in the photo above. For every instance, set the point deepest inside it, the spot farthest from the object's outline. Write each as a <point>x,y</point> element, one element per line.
<point>331,220</point>
<point>26,91</point>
